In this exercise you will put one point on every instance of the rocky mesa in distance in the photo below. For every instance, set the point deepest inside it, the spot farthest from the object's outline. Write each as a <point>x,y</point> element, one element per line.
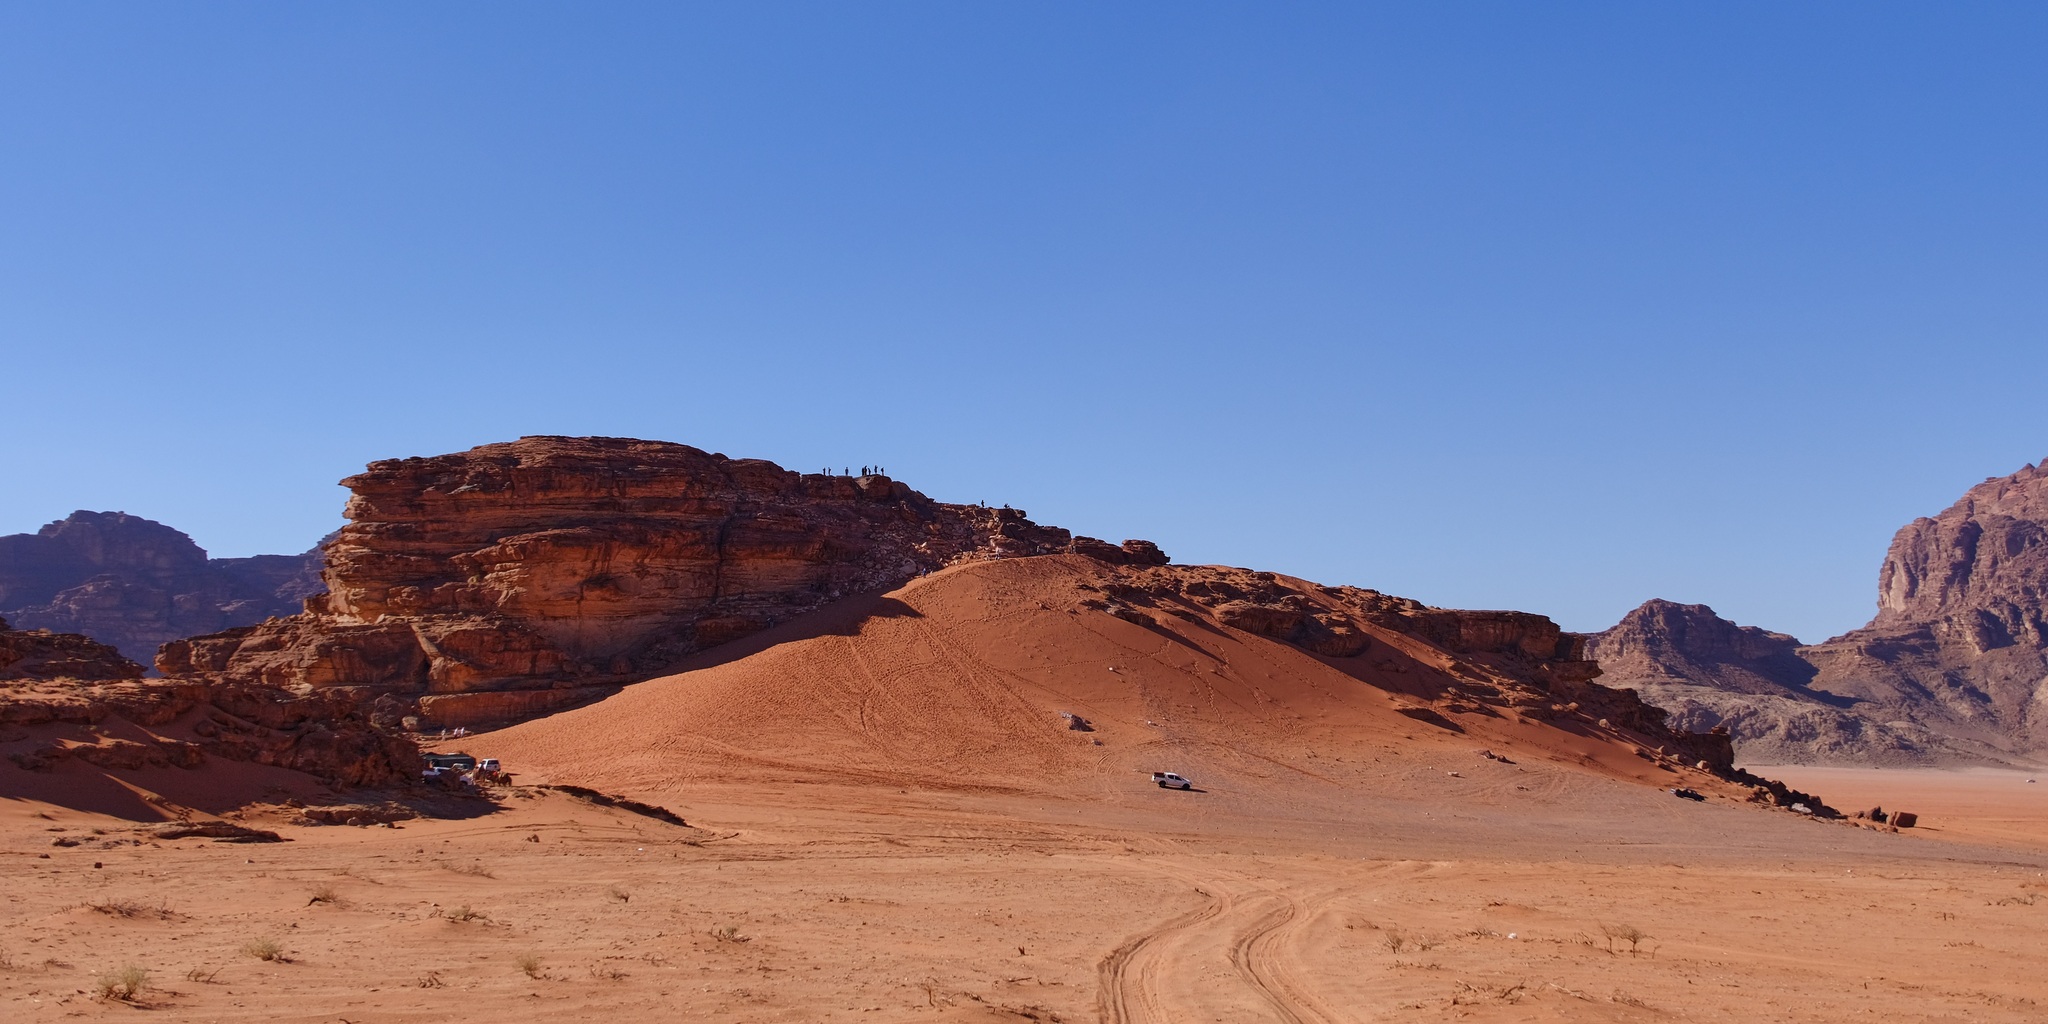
<point>1953,668</point>
<point>515,578</point>
<point>138,584</point>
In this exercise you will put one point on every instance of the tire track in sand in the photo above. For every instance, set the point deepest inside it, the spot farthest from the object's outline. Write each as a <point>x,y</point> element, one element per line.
<point>1171,972</point>
<point>1129,977</point>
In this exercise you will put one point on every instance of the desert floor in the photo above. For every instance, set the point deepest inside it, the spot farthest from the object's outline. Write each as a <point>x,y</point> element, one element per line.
<point>891,819</point>
<point>818,902</point>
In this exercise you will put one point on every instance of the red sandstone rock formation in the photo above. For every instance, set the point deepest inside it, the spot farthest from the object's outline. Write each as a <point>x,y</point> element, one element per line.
<point>1960,642</point>
<point>512,578</point>
<point>1954,668</point>
<point>41,654</point>
<point>67,696</point>
<point>1709,672</point>
<point>137,584</point>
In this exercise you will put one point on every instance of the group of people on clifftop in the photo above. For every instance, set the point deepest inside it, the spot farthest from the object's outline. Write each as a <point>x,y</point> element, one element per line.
<point>864,471</point>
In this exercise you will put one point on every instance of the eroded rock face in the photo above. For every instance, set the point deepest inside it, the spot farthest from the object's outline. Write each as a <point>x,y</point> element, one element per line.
<point>550,565</point>
<point>137,584</point>
<point>41,654</point>
<point>1710,672</point>
<point>66,696</point>
<point>1960,642</point>
<point>1954,668</point>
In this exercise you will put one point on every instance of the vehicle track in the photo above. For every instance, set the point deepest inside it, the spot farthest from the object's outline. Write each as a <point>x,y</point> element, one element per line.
<point>1169,973</point>
<point>1129,991</point>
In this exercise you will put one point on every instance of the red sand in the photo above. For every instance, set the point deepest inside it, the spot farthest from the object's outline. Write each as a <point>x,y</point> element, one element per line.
<point>894,824</point>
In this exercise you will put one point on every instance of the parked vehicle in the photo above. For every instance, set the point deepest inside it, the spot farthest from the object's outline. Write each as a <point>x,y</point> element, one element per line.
<point>1171,780</point>
<point>459,762</point>
<point>488,765</point>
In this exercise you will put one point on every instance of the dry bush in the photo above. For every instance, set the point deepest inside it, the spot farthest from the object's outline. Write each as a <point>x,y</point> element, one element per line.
<point>264,948</point>
<point>464,913</point>
<point>324,894</point>
<point>431,979</point>
<point>473,870</point>
<point>729,933</point>
<point>6,961</point>
<point>202,975</point>
<point>123,983</point>
<point>1469,993</point>
<point>528,964</point>
<point>606,972</point>
<point>1628,933</point>
<point>619,894</point>
<point>132,909</point>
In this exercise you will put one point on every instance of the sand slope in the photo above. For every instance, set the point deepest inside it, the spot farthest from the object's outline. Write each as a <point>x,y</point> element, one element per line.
<point>959,681</point>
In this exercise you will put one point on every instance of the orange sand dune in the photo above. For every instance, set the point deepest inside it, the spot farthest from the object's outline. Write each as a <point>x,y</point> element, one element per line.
<point>960,681</point>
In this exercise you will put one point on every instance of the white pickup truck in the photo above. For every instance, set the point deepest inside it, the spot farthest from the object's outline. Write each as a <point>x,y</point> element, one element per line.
<point>1171,780</point>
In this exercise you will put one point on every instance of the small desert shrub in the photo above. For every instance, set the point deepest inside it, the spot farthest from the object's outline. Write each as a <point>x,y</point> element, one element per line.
<point>473,870</point>
<point>618,894</point>
<point>1394,941</point>
<point>264,949</point>
<point>123,983</point>
<point>1623,933</point>
<point>131,909</point>
<point>464,913</point>
<point>324,894</point>
<point>528,964</point>
<point>202,975</point>
<point>606,972</point>
<point>728,933</point>
<point>431,979</point>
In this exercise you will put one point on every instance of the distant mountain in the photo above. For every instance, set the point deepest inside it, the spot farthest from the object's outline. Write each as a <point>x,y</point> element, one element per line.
<point>136,584</point>
<point>1953,668</point>
<point>1708,671</point>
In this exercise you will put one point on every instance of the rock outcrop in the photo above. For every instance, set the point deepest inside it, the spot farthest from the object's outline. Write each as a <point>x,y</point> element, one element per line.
<point>41,654</point>
<point>515,578</point>
<point>65,696</point>
<point>1478,662</point>
<point>1953,669</point>
<point>1709,672</point>
<point>137,584</point>
<point>1960,642</point>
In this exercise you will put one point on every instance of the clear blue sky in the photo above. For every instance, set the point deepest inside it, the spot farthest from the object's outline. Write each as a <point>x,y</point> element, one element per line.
<point>1545,306</point>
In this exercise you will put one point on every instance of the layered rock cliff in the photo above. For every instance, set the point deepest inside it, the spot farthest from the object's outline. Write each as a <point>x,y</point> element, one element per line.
<point>1953,668</point>
<point>137,584</point>
<point>1960,642</point>
<point>1709,672</point>
<point>68,698</point>
<point>42,654</point>
<point>512,578</point>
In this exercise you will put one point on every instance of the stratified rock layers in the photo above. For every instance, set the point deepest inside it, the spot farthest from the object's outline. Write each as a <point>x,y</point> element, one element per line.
<point>511,578</point>
<point>1960,641</point>
<point>64,696</point>
<point>1953,668</point>
<point>1709,672</point>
